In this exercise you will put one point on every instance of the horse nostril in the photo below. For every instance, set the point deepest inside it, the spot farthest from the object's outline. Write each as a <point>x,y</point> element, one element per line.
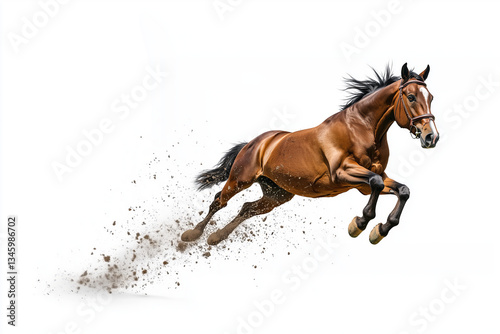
<point>428,139</point>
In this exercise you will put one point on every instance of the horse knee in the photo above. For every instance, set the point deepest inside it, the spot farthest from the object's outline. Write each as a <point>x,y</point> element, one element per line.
<point>404,192</point>
<point>377,183</point>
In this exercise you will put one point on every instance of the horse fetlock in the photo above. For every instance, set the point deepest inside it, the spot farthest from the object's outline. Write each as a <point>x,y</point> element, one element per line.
<point>368,214</point>
<point>393,221</point>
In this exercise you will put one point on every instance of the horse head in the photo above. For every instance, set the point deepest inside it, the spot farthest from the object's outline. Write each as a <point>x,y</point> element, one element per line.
<point>413,107</point>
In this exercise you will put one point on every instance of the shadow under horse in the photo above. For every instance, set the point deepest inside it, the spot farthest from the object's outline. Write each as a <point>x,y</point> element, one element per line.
<point>348,150</point>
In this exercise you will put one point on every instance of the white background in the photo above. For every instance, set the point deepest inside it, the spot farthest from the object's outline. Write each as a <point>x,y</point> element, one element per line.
<point>227,76</point>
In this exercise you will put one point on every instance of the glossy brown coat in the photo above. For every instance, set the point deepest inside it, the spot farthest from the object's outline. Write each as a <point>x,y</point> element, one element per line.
<point>348,150</point>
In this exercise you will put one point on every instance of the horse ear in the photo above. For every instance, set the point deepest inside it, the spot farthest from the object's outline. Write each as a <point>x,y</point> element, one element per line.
<point>405,73</point>
<point>425,73</point>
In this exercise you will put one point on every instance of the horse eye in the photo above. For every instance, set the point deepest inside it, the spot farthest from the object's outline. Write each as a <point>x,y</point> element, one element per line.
<point>411,98</point>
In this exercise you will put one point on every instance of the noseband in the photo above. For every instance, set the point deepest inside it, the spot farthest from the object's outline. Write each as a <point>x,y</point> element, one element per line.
<point>416,118</point>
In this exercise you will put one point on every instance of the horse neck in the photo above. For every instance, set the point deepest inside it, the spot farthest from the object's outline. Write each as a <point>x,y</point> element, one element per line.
<point>378,110</point>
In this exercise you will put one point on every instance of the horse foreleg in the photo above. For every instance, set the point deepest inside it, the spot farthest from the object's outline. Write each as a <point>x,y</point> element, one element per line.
<point>356,175</point>
<point>403,193</point>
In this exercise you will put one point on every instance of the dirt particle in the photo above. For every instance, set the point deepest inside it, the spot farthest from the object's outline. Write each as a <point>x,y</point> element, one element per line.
<point>107,258</point>
<point>206,254</point>
<point>181,246</point>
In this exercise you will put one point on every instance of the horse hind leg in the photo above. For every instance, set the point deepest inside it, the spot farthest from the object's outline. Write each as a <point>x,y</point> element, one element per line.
<point>197,231</point>
<point>245,170</point>
<point>231,188</point>
<point>273,196</point>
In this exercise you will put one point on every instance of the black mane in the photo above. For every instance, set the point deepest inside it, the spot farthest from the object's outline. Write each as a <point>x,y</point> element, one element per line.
<point>358,89</point>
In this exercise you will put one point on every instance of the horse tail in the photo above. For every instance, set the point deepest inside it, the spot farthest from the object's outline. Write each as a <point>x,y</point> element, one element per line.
<point>220,173</point>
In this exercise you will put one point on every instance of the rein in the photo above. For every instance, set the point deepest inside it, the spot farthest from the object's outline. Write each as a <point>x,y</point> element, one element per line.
<point>416,118</point>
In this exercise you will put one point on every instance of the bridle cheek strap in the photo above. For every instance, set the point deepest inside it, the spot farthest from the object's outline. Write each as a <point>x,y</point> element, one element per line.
<point>416,118</point>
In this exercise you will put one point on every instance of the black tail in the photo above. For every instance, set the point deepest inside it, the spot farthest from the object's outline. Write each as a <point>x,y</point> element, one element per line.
<point>209,178</point>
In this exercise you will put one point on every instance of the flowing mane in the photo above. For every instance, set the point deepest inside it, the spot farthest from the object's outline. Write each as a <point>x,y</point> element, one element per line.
<point>358,89</point>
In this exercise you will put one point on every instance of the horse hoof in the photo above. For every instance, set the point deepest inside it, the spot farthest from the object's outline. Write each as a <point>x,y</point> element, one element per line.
<point>353,228</point>
<point>375,235</point>
<point>191,235</point>
<point>214,239</point>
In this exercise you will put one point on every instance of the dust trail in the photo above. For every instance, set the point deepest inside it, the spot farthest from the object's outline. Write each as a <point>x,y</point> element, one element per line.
<point>142,245</point>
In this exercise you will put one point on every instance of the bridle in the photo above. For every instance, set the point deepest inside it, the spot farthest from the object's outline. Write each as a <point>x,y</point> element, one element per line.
<point>416,118</point>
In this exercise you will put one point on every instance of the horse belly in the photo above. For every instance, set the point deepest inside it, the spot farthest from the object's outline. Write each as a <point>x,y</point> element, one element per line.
<point>300,169</point>
<point>306,185</point>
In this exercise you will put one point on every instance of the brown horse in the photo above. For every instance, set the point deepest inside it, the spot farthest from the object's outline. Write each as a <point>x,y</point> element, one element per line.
<point>348,150</point>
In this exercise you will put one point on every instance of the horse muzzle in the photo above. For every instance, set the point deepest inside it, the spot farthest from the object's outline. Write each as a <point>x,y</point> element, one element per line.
<point>429,135</point>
